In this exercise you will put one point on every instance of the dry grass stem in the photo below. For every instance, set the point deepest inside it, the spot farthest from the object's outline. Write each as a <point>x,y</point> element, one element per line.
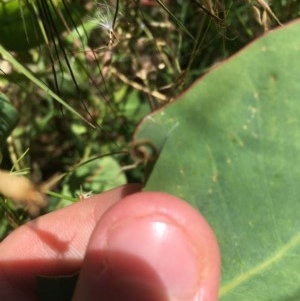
<point>137,86</point>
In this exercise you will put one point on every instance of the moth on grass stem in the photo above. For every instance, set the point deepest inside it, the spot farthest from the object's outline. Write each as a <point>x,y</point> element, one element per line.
<point>22,191</point>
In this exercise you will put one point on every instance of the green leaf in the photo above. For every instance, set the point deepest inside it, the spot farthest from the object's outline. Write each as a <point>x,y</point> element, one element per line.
<point>94,176</point>
<point>8,118</point>
<point>230,146</point>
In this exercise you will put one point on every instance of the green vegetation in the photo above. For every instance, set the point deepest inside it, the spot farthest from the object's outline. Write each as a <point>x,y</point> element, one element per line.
<point>82,76</point>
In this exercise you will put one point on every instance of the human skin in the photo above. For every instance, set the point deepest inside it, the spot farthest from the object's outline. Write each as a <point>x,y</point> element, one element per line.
<point>127,245</point>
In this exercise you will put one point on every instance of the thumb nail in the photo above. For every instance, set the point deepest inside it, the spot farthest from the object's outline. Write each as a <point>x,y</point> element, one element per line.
<point>146,253</point>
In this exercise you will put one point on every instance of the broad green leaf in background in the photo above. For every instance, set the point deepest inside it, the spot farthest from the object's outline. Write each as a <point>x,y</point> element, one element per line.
<point>93,177</point>
<point>8,119</point>
<point>230,146</point>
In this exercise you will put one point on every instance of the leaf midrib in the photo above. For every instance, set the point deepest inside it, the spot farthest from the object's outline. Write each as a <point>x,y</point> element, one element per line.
<point>266,264</point>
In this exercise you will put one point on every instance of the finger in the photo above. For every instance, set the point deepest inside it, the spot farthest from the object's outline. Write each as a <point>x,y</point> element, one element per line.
<point>150,246</point>
<point>53,244</point>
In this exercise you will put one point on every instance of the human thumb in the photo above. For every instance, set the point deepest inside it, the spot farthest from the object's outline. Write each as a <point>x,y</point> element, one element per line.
<point>150,246</point>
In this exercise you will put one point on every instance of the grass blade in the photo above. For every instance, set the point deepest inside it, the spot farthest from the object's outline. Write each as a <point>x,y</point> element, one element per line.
<point>175,19</point>
<point>20,68</point>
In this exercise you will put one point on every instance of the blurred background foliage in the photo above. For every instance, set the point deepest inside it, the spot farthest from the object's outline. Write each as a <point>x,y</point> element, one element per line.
<point>112,62</point>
